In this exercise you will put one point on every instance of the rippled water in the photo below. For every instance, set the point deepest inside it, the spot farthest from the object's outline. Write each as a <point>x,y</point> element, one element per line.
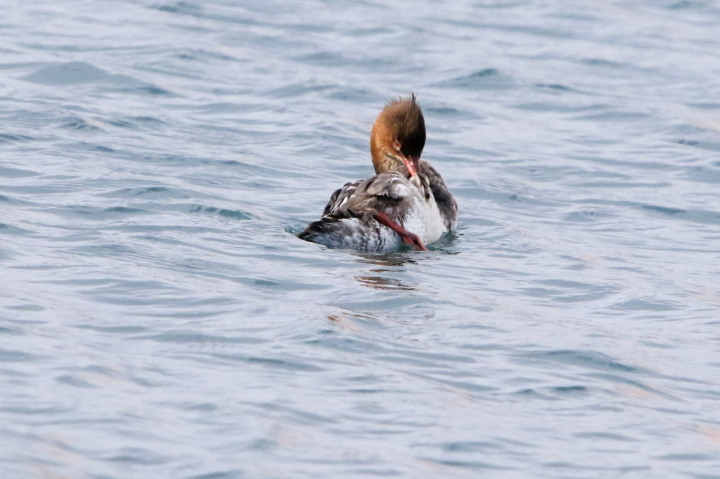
<point>160,319</point>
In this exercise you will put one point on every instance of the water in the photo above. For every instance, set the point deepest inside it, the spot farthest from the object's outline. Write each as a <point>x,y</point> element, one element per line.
<point>160,319</point>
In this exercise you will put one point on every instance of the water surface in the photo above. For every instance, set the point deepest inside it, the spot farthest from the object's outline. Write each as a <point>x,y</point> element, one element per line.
<point>158,317</point>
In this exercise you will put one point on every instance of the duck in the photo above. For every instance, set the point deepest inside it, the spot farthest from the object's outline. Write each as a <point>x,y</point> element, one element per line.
<point>406,203</point>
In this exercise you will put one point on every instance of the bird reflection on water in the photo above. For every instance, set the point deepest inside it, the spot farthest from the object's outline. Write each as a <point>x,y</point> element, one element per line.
<point>394,262</point>
<point>388,263</point>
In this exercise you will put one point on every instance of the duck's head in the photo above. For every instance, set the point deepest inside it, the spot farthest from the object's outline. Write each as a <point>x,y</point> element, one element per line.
<point>398,137</point>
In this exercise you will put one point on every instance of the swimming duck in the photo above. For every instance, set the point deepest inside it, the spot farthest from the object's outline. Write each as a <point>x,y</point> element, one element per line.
<point>405,203</point>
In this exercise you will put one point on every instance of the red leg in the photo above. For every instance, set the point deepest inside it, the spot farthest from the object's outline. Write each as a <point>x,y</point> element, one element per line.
<point>409,238</point>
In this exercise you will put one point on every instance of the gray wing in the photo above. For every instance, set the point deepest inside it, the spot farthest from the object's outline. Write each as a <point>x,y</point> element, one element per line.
<point>371,193</point>
<point>340,197</point>
<point>348,220</point>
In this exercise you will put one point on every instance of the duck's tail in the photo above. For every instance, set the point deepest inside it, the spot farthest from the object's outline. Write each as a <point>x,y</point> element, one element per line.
<point>349,230</point>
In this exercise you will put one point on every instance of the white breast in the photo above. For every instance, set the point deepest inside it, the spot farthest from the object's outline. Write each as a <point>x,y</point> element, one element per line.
<point>423,218</point>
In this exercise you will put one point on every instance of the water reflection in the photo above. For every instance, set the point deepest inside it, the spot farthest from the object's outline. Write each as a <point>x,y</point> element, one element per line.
<point>353,320</point>
<point>380,282</point>
<point>344,322</point>
<point>386,259</point>
<point>388,263</point>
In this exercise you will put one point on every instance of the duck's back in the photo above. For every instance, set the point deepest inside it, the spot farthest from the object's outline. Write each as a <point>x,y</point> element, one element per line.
<point>349,217</point>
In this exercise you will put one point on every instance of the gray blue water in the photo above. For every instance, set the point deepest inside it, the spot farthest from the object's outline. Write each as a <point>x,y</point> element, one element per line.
<point>159,319</point>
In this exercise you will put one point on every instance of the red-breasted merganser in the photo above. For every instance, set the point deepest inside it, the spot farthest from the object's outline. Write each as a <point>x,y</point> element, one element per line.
<point>406,202</point>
